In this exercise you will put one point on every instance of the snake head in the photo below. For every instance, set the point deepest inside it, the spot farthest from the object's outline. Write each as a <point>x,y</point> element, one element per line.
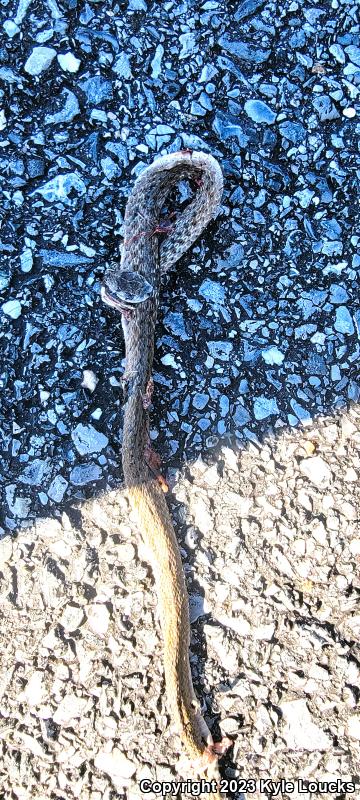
<point>125,289</point>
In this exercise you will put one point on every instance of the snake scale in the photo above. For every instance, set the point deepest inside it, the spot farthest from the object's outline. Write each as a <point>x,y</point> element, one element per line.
<point>133,288</point>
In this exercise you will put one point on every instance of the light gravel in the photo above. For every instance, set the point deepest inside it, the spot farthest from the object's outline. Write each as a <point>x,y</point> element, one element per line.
<point>270,542</point>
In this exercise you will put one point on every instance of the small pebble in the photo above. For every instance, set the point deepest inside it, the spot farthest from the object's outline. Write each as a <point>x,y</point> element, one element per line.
<point>259,111</point>
<point>98,618</point>
<point>349,112</point>
<point>39,60</point>
<point>69,62</point>
<point>12,308</point>
<point>316,469</point>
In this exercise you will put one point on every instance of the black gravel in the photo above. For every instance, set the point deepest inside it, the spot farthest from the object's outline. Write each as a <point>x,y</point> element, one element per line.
<point>260,325</point>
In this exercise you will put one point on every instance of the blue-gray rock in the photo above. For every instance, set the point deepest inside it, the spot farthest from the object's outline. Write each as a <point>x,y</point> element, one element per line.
<point>196,607</point>
<point>122,66</point>
<point>85,473</point>
<point>205,101</point>
<point>156,62</point>
<point>150,97</point>
<point>207,72</point>
<point>220,350</point>
<point>325,108</point>
<point>357,321</point>
<point>268,89</point>
<point>304,331</point>
<point>70,334</point>
<point>324,190</point>
<point>227,127</point>
<point>68,62</point>
<point>57,489</point>
<point>70,109</point>
<point>224,405</point>
<point>315,365</point>
<point>259,111</point>
<point>338,294</point>
<point>110,169</point>
<point>85,34</point>
<point>169,361</point>
<point>19,506</point>
<point>353,391</point>
<point>12,308</point>
<point>274,169</point>
<point>260,198</point>
<point>26,260</point>
<point>203,423</point>
<point>265,407</point>
<point>244,386</point>
<point>174,321</point>
<point>243,51</point>
<point>35,167</point>
<point>293,131</point>
<point>197,110</point>
<point>343,321</point>
<point>56,258</point>
<point>300,412</point>
<point>354,54</point>
<point>247,8</point>
<point>241,416</point>
<point>91,144</point>
<point>159,136</point>
<point>119,150</point>
<point>11,28</point>
<point>227,65</point>
<point>306,306</point>
<point>315,296</point>
<point>259,218</point>
<point>331,228</point>
<point>212,291</point>
<point>17,167</point>
<point>338,53</point>
<point>298,39</point>
<point>88,440</point>
<point>272,355</point>
<point>305,197</point>
<point>9,76</point>
<point>200,400</point>
<point>194,142</point>
<point>39,60</point>
<point>188,44</point>
<point>97,89</point>
<point>5,278</point>
<point>331,248</point>
<point>35,472</point>
<point>98,115</point>
<point>59,188</point>
<point>234,256</point>
<point>137,5</point>
<point>292,420</point>
<point>69,397</point>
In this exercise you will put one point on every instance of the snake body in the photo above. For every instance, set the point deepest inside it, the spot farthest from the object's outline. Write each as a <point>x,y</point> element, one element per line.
<point>133,287</point>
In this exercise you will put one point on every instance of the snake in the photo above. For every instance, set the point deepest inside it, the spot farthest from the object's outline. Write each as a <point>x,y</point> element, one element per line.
<point>132,286</point>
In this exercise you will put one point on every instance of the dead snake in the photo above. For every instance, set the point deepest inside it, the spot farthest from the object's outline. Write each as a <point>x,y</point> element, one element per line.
<point>133,288</point>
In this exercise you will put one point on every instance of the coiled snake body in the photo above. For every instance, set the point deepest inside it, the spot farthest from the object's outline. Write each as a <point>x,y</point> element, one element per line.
<point>133,288</point>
